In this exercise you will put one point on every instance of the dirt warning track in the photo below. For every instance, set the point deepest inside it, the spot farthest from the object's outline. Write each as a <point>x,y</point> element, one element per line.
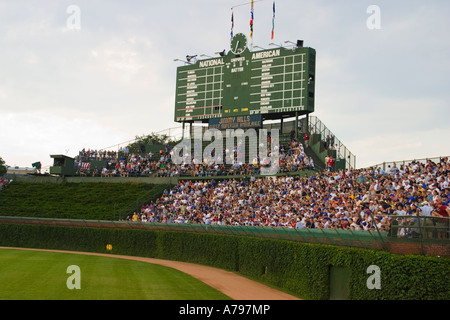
<point>231,284</point>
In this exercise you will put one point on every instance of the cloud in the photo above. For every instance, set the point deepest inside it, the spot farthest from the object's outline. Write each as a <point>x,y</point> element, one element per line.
<point>31,137</point>
<point>124,61</point>
<point>115,77</point>
<point>388,129</point>
<point>400,146</point>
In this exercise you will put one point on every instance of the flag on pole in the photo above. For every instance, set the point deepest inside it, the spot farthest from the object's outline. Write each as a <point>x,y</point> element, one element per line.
<point>273,20</point>
<point>251,21</point>
<point>232,22</point>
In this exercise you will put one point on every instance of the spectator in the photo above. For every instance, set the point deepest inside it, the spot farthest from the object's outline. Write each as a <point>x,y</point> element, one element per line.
<point>330,163</point>
<point>361,199</point>
<point>4,183</point>
<point>306,139</point>
<point>442,223</point>
<point>292,135</point>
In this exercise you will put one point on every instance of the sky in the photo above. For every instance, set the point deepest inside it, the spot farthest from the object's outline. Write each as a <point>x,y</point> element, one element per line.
<point>94,74</point>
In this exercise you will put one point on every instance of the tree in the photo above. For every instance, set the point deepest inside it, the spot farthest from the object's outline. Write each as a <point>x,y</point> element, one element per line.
<point>153,138</point>
<point>3,167</point>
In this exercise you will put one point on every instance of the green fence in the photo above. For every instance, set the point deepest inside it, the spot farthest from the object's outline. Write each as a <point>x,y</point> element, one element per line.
<point>417,231</point>
<point>422,227</point>
<point>309,271</point>
<point>349,238</point>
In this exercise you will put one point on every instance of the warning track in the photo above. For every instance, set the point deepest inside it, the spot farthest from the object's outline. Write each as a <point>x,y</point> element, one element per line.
<point>231,284</point>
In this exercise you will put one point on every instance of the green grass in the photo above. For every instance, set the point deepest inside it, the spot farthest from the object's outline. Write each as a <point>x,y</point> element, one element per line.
<point>91,200</point>
<point>39,275</point>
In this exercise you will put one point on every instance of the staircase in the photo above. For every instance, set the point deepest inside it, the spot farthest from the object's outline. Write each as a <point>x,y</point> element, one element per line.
<point>317,148</point>
<point>318,137</point>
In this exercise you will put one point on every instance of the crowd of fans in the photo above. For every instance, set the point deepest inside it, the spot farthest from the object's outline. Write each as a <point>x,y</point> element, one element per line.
<point>292,158</point>
<point>364,199</point>
<point>119,163</point>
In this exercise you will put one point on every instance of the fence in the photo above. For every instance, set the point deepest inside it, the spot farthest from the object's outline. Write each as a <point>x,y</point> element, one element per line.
<point>420,227</point>
<point>418,232</point>
<point>401,163</point>
<point>342,152</point>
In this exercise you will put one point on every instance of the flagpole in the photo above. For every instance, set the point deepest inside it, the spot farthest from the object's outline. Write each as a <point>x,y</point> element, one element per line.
<point>251,21</point>
<point>251,24</point>
<point>244,4</point>
<point>232,23</point>
<point>273,20</point>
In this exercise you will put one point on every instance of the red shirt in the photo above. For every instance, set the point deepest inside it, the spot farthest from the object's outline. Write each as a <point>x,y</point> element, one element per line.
<point>443,210</point>
<point>331,162</point>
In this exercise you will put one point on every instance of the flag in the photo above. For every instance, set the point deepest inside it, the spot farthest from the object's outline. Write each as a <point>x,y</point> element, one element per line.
<point>232,22</point>
<point>37,165</point>
<point>273,20</point>
<point>251,21</point>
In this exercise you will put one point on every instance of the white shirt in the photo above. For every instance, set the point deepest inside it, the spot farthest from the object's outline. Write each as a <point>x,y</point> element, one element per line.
<point>426,210</point>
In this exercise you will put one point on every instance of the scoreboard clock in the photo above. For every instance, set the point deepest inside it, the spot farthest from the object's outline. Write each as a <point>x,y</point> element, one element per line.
<point>271,83</point>
<point>238,44</point>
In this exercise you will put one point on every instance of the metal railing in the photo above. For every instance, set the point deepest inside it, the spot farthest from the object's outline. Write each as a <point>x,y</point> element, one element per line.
<point>400,163</point>
<point>175,133</point>
<point>420,227</point>
<point>342,152</point>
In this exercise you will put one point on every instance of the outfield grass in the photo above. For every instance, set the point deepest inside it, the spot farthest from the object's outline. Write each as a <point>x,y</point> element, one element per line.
<point>38,275</point>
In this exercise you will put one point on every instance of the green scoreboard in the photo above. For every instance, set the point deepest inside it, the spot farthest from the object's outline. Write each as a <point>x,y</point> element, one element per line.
<point>269,83</point>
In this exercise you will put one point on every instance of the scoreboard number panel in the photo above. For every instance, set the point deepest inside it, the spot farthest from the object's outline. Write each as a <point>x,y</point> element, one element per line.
<point>268,82</point>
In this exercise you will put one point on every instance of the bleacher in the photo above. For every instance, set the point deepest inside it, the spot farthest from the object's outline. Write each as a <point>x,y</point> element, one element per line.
<point>93,164</point>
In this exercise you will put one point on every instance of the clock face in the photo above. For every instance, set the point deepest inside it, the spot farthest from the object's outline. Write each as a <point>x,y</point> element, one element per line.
<point>238,43</point>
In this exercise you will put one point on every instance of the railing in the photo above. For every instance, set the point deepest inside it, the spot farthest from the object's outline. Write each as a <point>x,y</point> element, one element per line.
<point>317,127</point>
<point>174,132</point>
<point>426,233</point>
<point>400,163</point>
<point>420,227</point>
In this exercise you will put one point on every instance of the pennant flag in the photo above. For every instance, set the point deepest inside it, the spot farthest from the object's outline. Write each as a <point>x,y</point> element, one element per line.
<point>273,20</point>
<point>251,21</point>
<point>232,22</point>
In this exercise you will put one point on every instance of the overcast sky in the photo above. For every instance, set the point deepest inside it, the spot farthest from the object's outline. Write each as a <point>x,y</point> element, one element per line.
<point>385,93</point>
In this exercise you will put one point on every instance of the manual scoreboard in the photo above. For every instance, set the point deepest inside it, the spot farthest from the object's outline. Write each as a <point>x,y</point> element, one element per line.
<point>270,83</point>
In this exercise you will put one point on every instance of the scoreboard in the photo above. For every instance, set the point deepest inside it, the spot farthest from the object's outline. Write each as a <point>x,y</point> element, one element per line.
<point>270,83</point>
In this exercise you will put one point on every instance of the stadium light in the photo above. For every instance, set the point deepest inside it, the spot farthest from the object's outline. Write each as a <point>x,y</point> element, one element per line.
<point>299,43</point>
<point>258,47</point>
<point>189,58</point>
<point>274,44</point>
<point>221,53</point>
<point>186,62</point>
